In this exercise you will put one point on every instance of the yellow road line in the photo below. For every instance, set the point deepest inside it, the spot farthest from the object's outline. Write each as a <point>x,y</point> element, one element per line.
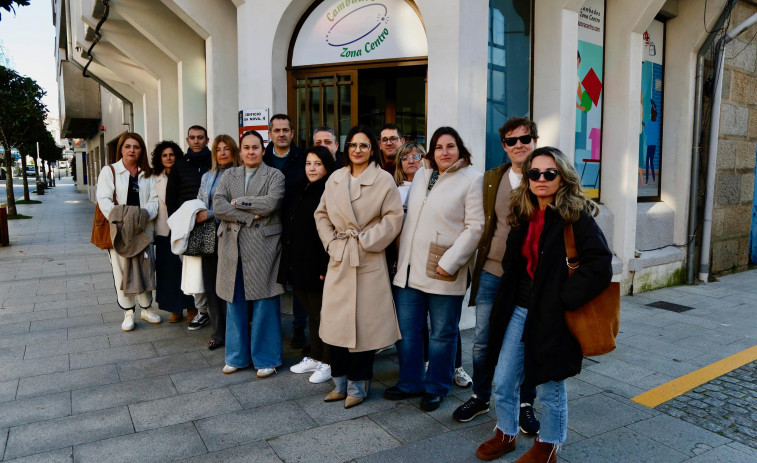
<point>685,383</point>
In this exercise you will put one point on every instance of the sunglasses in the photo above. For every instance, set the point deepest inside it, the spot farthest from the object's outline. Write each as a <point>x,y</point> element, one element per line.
<point>549,174</point>
<point>512,141</point>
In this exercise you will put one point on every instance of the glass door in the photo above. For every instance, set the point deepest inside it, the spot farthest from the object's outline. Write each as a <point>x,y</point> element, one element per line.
<point>323,99</point>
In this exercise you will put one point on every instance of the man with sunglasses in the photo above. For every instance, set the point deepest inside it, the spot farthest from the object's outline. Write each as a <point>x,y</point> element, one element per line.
<point>518,136</point>
<point>390,141</point>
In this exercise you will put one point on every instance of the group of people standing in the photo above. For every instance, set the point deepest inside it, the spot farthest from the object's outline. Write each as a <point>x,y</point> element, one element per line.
<point>379,242</point>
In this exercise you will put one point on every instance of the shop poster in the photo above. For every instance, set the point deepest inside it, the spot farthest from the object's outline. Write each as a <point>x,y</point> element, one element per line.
<point>589,94</point>
<point>650,136</point>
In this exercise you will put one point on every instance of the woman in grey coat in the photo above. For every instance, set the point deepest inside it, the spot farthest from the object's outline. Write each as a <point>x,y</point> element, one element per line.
<point>247,201</point>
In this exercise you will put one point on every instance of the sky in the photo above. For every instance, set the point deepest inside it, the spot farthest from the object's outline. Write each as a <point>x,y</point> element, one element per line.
<point>29,38</point>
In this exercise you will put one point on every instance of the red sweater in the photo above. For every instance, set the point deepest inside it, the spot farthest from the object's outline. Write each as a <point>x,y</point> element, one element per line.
<point>530,248</point>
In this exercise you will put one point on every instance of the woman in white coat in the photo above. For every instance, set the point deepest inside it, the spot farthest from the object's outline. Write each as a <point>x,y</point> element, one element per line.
<point>133,187</point>
<point>445,220</point>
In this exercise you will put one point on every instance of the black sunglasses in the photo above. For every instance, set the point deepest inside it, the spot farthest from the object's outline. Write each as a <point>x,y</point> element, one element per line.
<point>549,174</point>
<point>512,141</point>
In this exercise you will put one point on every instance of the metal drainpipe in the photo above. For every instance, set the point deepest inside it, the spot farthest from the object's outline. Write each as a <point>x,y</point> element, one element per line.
<point>704,263</point>
<point>695,149</point>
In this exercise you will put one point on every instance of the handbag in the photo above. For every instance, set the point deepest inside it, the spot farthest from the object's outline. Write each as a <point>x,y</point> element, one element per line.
<point>100,225</point>
<point>202,239</point>
<point>596,323</point>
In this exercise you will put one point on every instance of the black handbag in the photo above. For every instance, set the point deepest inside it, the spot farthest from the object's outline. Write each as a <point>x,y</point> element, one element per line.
<point>202,239</point>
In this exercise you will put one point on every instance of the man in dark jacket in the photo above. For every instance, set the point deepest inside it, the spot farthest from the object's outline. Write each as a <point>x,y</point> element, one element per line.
<point>284,155</point>
<point>183,185</point>
<point>518,137</point>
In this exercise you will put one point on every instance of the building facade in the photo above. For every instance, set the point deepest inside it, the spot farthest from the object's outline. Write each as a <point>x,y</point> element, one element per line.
<point>612,83</point>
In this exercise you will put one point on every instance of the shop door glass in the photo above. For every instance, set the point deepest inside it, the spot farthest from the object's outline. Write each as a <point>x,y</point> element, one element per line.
<point>324,99</point>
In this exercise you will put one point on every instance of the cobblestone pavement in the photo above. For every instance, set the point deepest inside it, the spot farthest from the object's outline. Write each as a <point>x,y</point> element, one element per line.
<point>73,387</point>
<point>726,405</point>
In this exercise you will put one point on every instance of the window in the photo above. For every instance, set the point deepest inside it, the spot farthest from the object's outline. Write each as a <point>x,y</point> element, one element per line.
<point>650,136</point>
<point>509,73</point>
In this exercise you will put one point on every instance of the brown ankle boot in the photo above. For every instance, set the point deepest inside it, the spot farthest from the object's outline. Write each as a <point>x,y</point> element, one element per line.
<point>497,446</point>
<point>541,452</point>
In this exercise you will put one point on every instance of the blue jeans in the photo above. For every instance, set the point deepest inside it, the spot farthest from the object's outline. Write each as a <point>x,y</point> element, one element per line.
<point>508,377</point>
<point>413,306</point>
<point>259,343</point>
<point>482,375</point>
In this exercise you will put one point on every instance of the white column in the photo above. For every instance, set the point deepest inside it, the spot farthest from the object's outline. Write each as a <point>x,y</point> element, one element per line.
<point>555,45</point>
<point>624,24</point>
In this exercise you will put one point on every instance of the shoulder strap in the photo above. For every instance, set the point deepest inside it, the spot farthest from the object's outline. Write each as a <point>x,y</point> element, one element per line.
<point>115,201</point>
<point>571,255</point>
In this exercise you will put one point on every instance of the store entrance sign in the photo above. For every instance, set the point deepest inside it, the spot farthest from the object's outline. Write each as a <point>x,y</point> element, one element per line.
<point>347,31</point>
<point>254,119</point>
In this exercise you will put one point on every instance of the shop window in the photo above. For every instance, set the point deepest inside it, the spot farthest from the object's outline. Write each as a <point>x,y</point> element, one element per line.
<point>650,136</point>
<point>509,73</point>
<point>590,94</point>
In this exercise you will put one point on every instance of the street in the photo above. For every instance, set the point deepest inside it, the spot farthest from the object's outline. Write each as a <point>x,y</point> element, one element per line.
<point>74,387</point>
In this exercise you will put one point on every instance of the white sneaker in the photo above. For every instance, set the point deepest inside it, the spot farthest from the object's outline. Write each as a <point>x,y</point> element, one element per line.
<point>321,374</point>
<point>265,372</point>
<point>150,316</point>
<point>228,369</point>
<point>306,365</point>
<point>461,378</point>
<point>128,323</point>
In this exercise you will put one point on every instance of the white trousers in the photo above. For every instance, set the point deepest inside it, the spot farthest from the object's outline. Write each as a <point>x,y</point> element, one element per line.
<point>126,302</point>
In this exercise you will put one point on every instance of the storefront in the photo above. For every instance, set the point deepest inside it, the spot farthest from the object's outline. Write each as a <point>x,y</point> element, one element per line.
<point>358,62</point>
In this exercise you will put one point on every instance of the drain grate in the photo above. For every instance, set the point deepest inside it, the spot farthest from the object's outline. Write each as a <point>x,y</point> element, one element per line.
<point>670,306</point>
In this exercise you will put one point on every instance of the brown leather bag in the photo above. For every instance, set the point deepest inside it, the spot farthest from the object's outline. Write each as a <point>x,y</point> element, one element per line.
<point>596,323</point>
<point>101,226</point>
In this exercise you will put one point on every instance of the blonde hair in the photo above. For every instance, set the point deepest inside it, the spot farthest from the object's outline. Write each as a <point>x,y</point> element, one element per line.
<point>231,143</point>
<point>406,148</point>
<point>569,202</point>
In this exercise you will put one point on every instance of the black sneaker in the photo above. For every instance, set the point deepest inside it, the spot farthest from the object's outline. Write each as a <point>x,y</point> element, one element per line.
<point>430,402</point>
<point>199,321</point>
<point>528,423</point>
<point>470,409</point>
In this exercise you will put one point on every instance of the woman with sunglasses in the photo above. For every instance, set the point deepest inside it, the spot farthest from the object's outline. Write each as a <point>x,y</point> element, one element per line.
<point>445,220</point>
<point>359,215</point>
<point>529,339</point>
<point>408,160</point>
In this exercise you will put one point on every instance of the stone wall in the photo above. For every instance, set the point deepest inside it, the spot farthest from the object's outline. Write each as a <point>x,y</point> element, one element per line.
<point>734,181</point>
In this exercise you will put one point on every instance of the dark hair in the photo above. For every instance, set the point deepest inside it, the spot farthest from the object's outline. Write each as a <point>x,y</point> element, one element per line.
<point>391,127</point>
<point>515,122</point>
<point>157,154</point>
<point>144,159</point>
<point>325,156</point>
<point>283,117</point>
<point>198,127</point>
<point>257,134</point>
<point>324,128</point>
<point>365,130</point>
<point>464,153</point>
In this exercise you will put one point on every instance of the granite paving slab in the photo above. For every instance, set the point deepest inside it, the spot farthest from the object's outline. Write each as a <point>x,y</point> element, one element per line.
<point>121,393</point>
<point>258,452</point>
<point>64,455</point>
<point>155,446</point>
<point>179,409</point>
<point>620,446</point>
<point>64,432</point>
<point>41,408</point>
<point>157,366</point>
<point>66,381</point>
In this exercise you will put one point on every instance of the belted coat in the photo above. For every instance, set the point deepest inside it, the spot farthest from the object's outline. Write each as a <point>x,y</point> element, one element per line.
<point>240,235</point>
<point>356,223</point>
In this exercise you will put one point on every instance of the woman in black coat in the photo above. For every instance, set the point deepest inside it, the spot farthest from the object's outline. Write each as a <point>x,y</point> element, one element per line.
<point>529,338</point>
<point>303,259</point>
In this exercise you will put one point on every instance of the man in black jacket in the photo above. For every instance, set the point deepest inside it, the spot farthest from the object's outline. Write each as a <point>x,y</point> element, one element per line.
<point>183,185</point>
<point>284,155</point>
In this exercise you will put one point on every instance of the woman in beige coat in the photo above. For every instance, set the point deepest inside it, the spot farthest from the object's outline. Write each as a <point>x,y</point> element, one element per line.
<point>359,215</point>
<point>445,220</point>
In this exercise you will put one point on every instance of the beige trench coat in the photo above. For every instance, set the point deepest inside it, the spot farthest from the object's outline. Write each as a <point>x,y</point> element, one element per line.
<point>358,309</point>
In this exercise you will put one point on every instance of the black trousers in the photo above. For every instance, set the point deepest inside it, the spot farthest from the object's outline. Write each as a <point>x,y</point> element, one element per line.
<point>216,305</point>
<point>356,366</point>
<point>168,292</point>
<point>311,302</point>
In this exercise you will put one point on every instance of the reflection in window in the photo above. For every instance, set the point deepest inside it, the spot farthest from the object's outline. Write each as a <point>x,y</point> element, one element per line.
<point>509,73</point>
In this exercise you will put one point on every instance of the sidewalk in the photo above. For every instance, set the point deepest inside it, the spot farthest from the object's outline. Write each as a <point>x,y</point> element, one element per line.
<point>74,387</point>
